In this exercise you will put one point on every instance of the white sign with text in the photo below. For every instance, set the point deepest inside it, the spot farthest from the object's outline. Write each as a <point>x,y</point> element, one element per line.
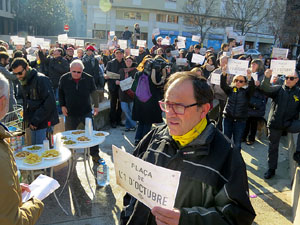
<point>237,67</point>
<point>181,44</point>
<point>284,67</point>
<point>238,50</point>
<point>126,84</point>
<point>122,43</point>
<point>134,52</point>
<point>197,58</point>
<point>79,43</point>
<point>196,38</point>
<point>141,43</point>
<point>280,53</point>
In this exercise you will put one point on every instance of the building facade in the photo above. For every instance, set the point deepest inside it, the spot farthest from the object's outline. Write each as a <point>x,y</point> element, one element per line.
<point>6,18</point>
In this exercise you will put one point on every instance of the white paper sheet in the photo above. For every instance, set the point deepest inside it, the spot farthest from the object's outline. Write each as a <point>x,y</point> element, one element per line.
<point>285,67</point>
<point>134,52</point>
<point>197,58</point>
<point>196,38</point>
<point>141,43</point>
<point>181,44</point>
<point>123,44</point>
<point>79,43</point>
<point>126,83</point>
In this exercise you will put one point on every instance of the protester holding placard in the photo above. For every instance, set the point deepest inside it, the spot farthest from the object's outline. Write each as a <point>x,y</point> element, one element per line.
<point>189,55</point>
<point>182,63</point>
<point>209,66</point>
<point>213,186</point>
<point>257,104</point>
<point>283,116</point>
<point>158,44</point>
<point>236,109</point>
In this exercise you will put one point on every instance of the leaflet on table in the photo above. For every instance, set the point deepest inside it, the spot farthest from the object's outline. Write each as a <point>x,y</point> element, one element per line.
<point>197,58</point>
<point>112,75</point>
<point>40,188</point>
<point>144,180</point>
<point>237,67</point>
<point>126,83</point>
<point>285,67</point>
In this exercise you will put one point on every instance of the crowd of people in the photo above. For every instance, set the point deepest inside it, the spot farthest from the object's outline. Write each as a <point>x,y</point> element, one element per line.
<point>163,81</point>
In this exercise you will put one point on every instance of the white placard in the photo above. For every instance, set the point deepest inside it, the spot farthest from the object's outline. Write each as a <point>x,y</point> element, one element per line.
<point>103,46</point>
<point>202,51</point>
<point>181,38</point>
<point>280,53</point>
<point>175,53</point>
<point>181,44</point>
<point>79,43</point>
<point>40,188</point>
<point>134,52</point>
<point>141,43</point>
<point>196,38</point>
<point>62,38</point>
<point>156,31</point>
<point>126,83</point>
<point>197,58</point>
<point>254,76</point>
<point>12,38</point>
<point>136,2</point>
<point>30,38</point>
<point>10,52</point>
<point>39,41</point>
<point>237,50</point>
<point>112,33</point>
<point>45,45</point>
<point>215,78</point>
<point>181,61</point>
<point>237,67</point>
<point>71,41</point>
<point>112,75</point>
<point>284,67</point>
<point>144,181</point>
<point>165,41</point>
<point>122,43</point>
<point>19,41</point>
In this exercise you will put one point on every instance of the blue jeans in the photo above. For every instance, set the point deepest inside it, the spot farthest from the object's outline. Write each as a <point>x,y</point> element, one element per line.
<point>235,129</point>
<point>142,130</point>
<point>127,109</point>
<point>38,136</point>
<point>57,102</point>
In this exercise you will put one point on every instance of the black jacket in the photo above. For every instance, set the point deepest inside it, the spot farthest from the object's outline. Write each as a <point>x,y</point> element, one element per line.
<point>39,101</point>
<point>76,96</point>
<point>57,67</point>
<point>91,67</point>
<point>114,66</point>
<point>213,186</point>
<point>237,99</point>
<point>285,104</point>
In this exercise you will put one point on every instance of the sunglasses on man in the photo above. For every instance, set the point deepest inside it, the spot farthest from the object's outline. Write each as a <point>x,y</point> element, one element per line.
<point>291,78</point>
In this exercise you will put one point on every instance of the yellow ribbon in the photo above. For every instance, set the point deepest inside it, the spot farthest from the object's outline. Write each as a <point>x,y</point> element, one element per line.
<point>192,134</point>
<point>296,98</point>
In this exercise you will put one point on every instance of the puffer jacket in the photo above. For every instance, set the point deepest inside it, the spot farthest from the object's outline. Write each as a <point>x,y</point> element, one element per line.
<point>285,104</point>
<point>12,210</point>
<point>213,186</point>
<point>238,99</point>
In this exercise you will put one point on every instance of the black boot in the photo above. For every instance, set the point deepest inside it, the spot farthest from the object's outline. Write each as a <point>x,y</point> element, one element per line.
<point>269,174</point>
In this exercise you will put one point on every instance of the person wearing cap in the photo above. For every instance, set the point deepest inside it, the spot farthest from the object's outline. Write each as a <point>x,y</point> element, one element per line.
<point>69,54</point>
<point>283,116</point>
<point>189,55</point>
<point>91,65</point>
<point>115,66</point>
<point>158,44</point>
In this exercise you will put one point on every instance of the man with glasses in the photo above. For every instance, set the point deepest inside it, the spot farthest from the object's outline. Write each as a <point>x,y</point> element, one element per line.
<point>213,184</point>
<point>38,100</point>
<point>76,90</point>
<point>283,116</point>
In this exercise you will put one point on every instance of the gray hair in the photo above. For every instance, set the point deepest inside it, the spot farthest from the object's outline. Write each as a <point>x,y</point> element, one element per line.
<point>4,86</point>
<point>77,62</point>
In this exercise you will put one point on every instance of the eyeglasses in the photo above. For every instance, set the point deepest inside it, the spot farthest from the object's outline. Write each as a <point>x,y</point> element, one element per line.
<point>78,72</point>
<point>290,78</point>
<point>176,107</point>
<point>19,73</point>
<point>239,81</point>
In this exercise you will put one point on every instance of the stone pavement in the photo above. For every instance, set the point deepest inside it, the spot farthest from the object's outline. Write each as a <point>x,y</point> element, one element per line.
<point>271,199</point>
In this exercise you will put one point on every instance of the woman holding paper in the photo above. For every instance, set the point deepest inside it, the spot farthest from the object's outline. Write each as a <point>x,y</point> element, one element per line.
<point>209,66</point>
<point>236,109</point>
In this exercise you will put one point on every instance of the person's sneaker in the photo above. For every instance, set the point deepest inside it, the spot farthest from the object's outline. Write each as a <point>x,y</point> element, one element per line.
<point>269,174</point>
<point>132,129</point>
<point>96,158</point>
<point>127,129</point>
<point>250,142</point>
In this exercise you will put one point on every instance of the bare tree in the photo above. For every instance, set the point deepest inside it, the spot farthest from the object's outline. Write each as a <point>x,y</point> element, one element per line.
<point>247,13</point>
<point>198,15</point>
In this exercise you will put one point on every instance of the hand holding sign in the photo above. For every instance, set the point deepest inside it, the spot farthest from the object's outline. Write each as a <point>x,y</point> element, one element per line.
<point>268,73</point>
<point>166,216</point>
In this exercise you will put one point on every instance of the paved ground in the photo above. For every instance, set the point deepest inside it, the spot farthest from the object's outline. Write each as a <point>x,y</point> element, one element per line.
<point>271,199</point>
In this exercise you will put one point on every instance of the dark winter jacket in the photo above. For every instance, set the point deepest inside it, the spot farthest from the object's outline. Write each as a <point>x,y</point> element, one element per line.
<point>38,101</point>
<point>91,67</point>
<point>114,66</point>
<point>238,99</point>
<point>285,104</point>
<point>213,186</point>
<point>57,67</point>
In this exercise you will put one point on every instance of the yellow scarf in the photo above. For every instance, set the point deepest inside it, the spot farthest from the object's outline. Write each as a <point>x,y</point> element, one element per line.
<point>192,134</point>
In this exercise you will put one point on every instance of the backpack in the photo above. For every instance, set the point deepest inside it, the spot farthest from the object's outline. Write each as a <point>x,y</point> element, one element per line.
<point>143,89</point>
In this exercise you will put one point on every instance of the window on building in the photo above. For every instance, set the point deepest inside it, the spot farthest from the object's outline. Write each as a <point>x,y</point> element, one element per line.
<point>166,18</point>
<point>7,5</point>
<point>132,15</point>
<point>1,4</point>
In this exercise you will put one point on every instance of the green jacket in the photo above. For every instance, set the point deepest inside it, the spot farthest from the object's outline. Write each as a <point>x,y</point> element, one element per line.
<point>12,210</point>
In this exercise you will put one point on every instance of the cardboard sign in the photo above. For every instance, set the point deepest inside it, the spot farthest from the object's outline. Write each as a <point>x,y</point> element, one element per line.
<point>62,38</point>
<point>141,43</point>
<point>112,33</point>
<point>112,75</point>
<point>197,58</point>
<point>165,41</point>
<point>156,31</point>
<point>181,61</point>
<point>237,50</point>
<point>79,43</point>
<point>175,53</point>
<point>181,38</point>
<point>280,53</point>
<point>196,38</point>
<point>237,67</point>
<point>284,67</point>
<point>122,43</point>
<point>144,181</point>
<point>126,83</point>
<point>181,44</point>
<point>134,52</point>
<point>215,78</point>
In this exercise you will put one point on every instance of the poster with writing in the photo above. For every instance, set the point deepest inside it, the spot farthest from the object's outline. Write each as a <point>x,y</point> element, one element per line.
<point>112,33</point>
<point>175,53</point>
<point>144,181</point>
<point>79,43</point>
<point>197,58</point>
<point>165,41</point>
<point>237,67</point>
<point>141,43</point>
<point>181,44</point>
<point>181,61</point>
<point>62,38</point>
<point>280,53</point>
<point>284,67</point>
<point>123,44</point>
<point>181,38</point>
<point>103,46</point>
<point>112,75</point>
<point>196,38</point>
<point>215,78</point>
<point>126,83</point>
<point>237,50</point>
<point>30,38</point>
<point>134,52</point>
<point>19,41</point>
<point>71,41</point>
